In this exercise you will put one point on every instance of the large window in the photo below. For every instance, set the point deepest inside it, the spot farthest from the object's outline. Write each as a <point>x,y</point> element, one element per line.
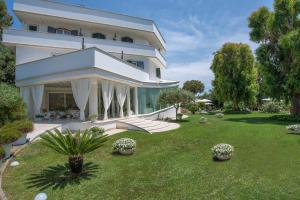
<point>98,36</point>
<point>61,101</point>
<point>138,64</point>
<point>62,31</point>
<point>32,27</point>
<point>127,39</point>
<point>158,75</point>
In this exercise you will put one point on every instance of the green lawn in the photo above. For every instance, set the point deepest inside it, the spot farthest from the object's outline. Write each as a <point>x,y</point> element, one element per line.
<point>173,165</point>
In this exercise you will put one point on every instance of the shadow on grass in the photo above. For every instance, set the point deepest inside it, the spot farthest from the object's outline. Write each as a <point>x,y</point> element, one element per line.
<point>59,176</point>
<point>256,120</point>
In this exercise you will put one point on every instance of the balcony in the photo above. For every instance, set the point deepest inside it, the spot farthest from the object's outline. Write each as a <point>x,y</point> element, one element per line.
<point>23,37</point>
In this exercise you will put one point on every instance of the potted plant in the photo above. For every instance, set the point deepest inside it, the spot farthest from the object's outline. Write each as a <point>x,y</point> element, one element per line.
<point>8,135</point>
<point>24,126</point>
<point>222,151</point>
<point>74,145</point>
<point>93,118</point>
<point>124,146</point>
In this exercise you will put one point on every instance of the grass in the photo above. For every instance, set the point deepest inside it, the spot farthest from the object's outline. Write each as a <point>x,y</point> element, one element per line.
<point>173,165</point>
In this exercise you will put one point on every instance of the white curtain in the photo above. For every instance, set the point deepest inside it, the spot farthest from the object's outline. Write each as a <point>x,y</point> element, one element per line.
<point>107,95</point>
<point>25,94</point>
<point>121,91</point>
<point>81,90</point>
<point>37,92</point>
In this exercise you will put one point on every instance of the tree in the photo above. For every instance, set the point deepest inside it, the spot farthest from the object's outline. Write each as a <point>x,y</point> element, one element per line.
<point>7,57</point>
<point>175,97</point>
<point>74,145</point>
<point>235,75</point>
<point>278,34</point>
<point>194,86</point>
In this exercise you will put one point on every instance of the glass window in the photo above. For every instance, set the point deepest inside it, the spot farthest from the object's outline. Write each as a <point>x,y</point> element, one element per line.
<point>98,36</point>
<point>51,29</point>
<point>74,32</point>
<point>139,64</point>
<point>70,102</point>
<point>32,28</point>
<point>127,39</point>
<point>158,75</point>
<point>56,101</point>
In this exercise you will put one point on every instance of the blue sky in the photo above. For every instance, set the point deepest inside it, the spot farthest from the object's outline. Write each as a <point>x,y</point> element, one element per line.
<point>193,29</point>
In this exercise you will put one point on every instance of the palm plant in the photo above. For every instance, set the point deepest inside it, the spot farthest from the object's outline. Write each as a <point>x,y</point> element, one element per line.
<point>74,145</point>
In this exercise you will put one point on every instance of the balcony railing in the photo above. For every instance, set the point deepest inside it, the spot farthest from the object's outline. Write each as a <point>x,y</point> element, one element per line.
<point>37,38</point>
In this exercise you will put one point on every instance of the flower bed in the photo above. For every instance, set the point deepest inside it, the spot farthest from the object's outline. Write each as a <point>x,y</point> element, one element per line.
<point>219,115</point>
<point>222,151</point>
<point>125,146</point>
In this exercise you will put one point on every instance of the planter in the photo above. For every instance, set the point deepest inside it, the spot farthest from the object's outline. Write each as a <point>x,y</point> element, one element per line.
<point>22,140</point>
<point>7,149</point>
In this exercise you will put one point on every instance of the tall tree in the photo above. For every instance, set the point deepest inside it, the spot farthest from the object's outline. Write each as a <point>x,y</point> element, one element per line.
<point>235,74</point>
<point>7,56</point>
<point>278,34</point>
<point>194,86</point>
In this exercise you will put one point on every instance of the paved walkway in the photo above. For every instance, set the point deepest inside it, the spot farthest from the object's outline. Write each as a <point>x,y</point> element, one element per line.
<point>40,128</point>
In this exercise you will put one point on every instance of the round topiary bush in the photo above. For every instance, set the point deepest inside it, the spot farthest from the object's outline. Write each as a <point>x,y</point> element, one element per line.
<point>203,120</point>
<point>219,115</point>
<point>125,146</point>
<point>222,151</point>
<point>98,130</point>
<point>294,128</point>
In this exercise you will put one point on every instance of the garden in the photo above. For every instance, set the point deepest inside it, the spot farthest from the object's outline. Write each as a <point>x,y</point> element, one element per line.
<point>178,164</point>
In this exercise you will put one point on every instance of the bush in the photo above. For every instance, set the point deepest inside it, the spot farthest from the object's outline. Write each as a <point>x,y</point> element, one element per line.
<point>124,146</point>
<point>286,118</point>
<point>11,104</point>
<point>2,153</point>
<point>222,151</point>
<point>294,128</point>
<point>98,130</point>
<point>9,134</point>
<point>25,126</point>
<point>192,107</point>
<point>203,120</point>
<point>271,107</point>
<point>219,115</point>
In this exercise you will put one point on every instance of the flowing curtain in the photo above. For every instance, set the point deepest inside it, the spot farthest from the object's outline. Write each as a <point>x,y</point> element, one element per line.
<point>107,95</point>
<point>121,96</point>
<point>25,94</point>
<point>37,92</point>
<point>81,89</point>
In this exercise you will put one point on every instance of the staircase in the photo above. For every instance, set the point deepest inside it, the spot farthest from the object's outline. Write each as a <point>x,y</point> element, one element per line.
<point>150,126</point>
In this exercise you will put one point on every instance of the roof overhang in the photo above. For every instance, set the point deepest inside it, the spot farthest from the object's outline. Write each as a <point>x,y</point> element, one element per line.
<point>87,63</point>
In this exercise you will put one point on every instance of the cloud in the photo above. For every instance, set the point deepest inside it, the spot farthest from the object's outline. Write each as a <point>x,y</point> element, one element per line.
<point>199,70</point>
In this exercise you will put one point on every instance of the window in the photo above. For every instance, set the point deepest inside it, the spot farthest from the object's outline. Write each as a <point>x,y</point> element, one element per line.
<point>98,36</point>
<point>61,101</point>
<point>127,39</point>
<point>139,64</point>
<point>74,32</point>
<point>63,31</point>
<point>32,28</point>
<point>158,75</point>
<point>51,29</point>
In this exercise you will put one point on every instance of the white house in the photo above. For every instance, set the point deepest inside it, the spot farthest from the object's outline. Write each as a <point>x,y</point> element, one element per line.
<point>70,58</point>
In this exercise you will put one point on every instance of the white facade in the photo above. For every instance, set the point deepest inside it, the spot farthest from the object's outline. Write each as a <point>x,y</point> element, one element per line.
<point>65,48</point>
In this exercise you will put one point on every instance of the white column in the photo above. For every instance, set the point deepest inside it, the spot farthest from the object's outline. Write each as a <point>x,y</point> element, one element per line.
<point>93,99</point>
<point>136,101</point>
<point>128,102</point>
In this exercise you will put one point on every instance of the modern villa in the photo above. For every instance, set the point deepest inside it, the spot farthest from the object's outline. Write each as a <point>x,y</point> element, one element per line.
<point>85,62</point>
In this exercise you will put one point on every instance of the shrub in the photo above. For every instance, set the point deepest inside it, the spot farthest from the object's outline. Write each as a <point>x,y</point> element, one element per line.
<point>271,107</point>
<point>11,104</point>
<point>124,146</point>
<point>25,126</point>
<point>219,115</point>
<point>97,130</point>
<point>203,120</point>
<point>2,153</point>
<point>222,151</point>
<point>286,118</point>
<point>294,128</point>
<point>192,107</point>
<point>9,134</point>
<point>93,117</point>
